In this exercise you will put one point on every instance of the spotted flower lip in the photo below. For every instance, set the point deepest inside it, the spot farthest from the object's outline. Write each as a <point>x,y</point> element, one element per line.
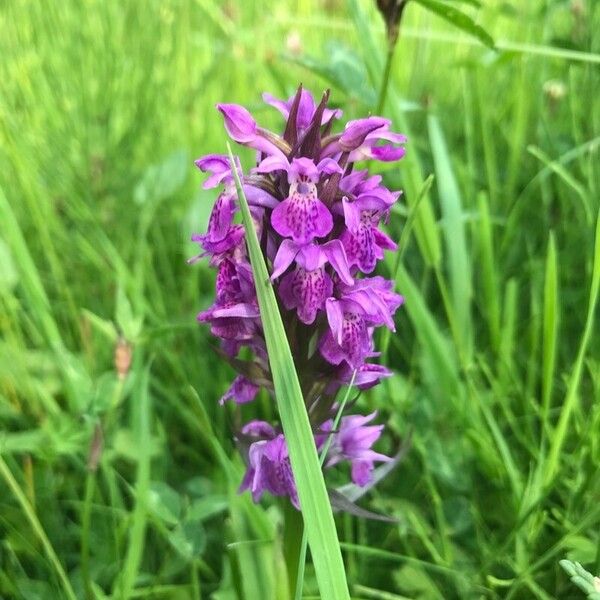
<point>363,240</point>
<point>320,221</point>
<point>301,216</point>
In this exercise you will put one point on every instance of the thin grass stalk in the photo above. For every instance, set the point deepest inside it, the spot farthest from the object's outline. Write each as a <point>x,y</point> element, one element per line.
<point>572,391</point>
<point>37,528</point>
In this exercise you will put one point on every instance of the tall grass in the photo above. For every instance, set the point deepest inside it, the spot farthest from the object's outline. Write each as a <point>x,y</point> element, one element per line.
<point>103,106</point>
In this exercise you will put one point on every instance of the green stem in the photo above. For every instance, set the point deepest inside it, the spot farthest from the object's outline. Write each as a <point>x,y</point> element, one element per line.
<point>90,484</point>
<point>37,527</point>
<point>196,588</point>
<point>293,530</point>
<point>385,80</point>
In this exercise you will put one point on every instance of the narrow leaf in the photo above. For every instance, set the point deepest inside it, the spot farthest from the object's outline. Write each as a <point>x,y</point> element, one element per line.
<point>459,19</point>
<point>571,398</point>
<point>550,326</point>
<point>316,509</point>
<point>454,233</point>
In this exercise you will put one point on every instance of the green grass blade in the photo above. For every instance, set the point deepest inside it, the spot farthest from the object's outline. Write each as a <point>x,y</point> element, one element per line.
<point>489,275</point>
<point>454,233</point>
<point>316,509</point>
<point>550,327</point>
<point>509,319</point>
<point>459,19</point>
<point>571,398</point>
<point>126,582</point>
<point>31,281</point>
<point>570,180</point>
<point>428,332</point>
<point>583,579</point>
<point>14,486</point>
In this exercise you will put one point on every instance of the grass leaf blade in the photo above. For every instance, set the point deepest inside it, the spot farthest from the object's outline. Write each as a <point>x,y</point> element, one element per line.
<point>316,508</point>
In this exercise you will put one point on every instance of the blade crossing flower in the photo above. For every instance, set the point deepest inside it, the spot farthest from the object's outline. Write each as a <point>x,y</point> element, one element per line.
<point>318,219</point>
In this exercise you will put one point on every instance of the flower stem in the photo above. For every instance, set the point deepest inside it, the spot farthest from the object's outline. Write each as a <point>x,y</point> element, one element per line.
<point>90,484</point>
<point>95,452</point>
<point>385,80</point>
<point>293,531</point>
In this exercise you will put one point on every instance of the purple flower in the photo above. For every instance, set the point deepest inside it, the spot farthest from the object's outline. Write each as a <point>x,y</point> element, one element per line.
<point>367,375</point>
<point>218,165</point>
<point>369,150</point>
<point>241,391</point>
<point>363,240</point>
<point>234,316</point>
<point>357,131</point>
<point>349,337</point>
<point>319,221</point>
<point>222,235</point>
<point>353,136</point>
<point>306,109</point>
<point>269,468</point>
<point>301,216</point>
<point>353,443</point>
<point>242,128</point>
<point>309,285</point>
<point>368,303</point>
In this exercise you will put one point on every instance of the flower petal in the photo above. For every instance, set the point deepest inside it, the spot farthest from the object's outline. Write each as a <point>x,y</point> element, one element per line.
<point>273,163</point>
<point>302,218</point>
<point>306,291</point>
<point>336,255</point>
<point>239,123</point>
<point>284,258</point>
<point>241,391</point>
<point>356,132</point>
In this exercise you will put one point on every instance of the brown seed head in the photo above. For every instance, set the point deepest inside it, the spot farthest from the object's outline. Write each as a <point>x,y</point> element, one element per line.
<point>123,352</point>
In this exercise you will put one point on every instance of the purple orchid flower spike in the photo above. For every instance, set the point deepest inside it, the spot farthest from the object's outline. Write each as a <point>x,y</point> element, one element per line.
<point>320,223</point>
<point>301,216</point>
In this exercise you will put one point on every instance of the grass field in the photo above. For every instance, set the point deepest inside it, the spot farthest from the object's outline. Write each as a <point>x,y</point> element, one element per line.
<point>127,487</point>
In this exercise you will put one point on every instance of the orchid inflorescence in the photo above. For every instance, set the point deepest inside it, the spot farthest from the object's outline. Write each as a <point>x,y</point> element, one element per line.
<point>317,219</point>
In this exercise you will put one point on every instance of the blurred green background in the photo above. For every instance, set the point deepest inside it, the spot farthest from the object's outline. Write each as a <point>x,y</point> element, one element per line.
<point>127,487</point>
